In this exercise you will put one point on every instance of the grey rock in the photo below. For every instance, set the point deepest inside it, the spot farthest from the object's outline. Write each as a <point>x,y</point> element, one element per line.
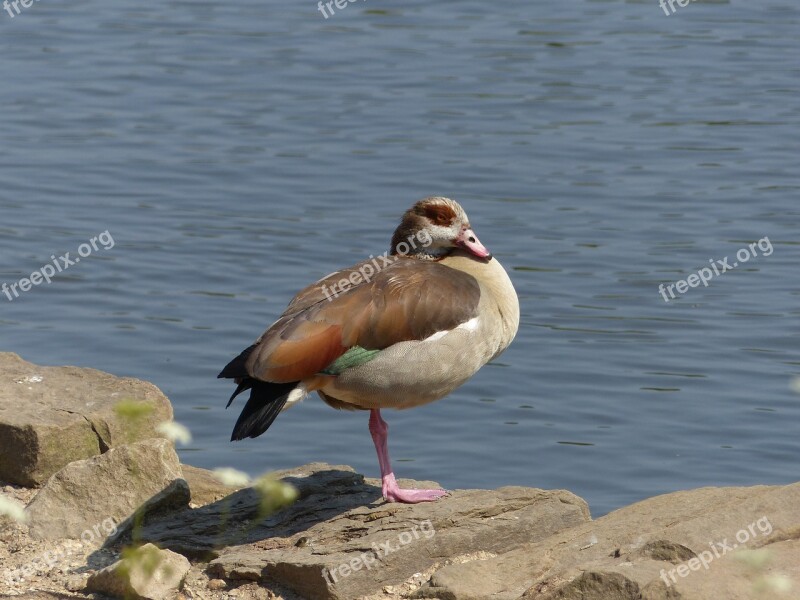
<point>154,575</point>
<point>40,595</point>
<point>340,540</point>
<point>171,499</point>
<point>202,533</point>
<point>96,494</point>
<point>204,486</point>
<point>51,416</point>
<point>635,553</point>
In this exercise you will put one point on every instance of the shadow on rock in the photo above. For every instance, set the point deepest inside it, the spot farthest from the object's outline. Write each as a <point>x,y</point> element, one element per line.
<point>237,519</point>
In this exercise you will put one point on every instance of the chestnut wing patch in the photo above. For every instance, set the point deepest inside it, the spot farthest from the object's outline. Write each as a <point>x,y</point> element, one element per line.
<point>407,300</point>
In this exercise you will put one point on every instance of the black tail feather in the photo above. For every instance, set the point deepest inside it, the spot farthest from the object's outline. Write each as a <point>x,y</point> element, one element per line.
<point>265,403</point>
<point>244,384</point>
<point>236,368</point>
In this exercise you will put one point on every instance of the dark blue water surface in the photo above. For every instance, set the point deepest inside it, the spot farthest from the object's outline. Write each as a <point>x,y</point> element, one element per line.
<point>238,151</point>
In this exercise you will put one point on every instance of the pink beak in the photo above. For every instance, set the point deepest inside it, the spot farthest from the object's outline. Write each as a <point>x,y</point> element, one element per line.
<point>470,242</point>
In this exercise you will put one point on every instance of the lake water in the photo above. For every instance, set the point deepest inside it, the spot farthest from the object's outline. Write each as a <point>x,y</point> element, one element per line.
<point>238,151</point>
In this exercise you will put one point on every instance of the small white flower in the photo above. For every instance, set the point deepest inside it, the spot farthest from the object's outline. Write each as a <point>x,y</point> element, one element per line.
<point>174,432</point>
<point>13,509</point>
<point>779,583</point>
<point>232,477</point>
<point>776,584</point>
<point>289,493</point>
<point>757,559</point>
<point>275,494</point>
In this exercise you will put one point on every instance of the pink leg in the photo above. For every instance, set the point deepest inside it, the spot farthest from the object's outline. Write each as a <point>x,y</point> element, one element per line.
<point>391,491</point>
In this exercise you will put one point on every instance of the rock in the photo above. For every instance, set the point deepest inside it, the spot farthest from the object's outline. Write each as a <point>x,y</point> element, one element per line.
<point>76,583</point>
<point>653,550</point>
<point>217,584</point>
<point>341,540</point>
<point>88,498</point>
<point>200,533</point>
<point>43,596</point>
<point>51,416</point>
<point>171,499</point>
<point>204,486</point>
<point>147,574</point>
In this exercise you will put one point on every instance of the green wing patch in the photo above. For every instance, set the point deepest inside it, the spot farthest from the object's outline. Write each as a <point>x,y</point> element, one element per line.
<point>354,357</point>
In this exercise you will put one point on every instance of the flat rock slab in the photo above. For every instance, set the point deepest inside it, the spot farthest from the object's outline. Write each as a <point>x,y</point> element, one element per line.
<point>677,546</point>
<point>100,494</point>
<point>340,540</point>
<point>202,533</point>
<point>51,416</point>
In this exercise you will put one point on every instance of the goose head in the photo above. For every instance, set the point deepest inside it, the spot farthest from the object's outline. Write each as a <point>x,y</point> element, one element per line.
<point>433,228</point>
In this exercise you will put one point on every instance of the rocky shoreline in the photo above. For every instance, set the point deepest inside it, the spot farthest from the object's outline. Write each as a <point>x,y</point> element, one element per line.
<point>111,512</point>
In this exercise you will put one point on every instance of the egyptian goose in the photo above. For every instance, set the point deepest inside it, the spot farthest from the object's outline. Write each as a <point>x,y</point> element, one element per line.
<point>396,331</point>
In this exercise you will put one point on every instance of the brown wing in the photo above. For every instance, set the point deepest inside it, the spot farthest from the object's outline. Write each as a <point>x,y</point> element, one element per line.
<point>408,299</point>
